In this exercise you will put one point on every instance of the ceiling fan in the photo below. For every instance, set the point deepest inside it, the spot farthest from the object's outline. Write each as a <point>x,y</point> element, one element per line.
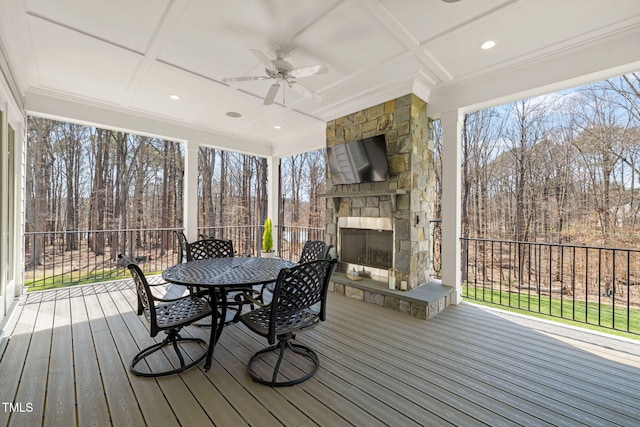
<point>283,73</point>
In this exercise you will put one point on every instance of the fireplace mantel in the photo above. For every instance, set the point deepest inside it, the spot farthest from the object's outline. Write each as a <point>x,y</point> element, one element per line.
<point>338,195</point>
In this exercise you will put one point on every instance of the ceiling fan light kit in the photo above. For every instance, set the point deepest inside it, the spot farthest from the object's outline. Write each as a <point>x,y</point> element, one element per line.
<point>283,73</point>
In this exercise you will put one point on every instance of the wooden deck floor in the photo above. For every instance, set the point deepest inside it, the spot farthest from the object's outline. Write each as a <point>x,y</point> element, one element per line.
<point>64,362</point>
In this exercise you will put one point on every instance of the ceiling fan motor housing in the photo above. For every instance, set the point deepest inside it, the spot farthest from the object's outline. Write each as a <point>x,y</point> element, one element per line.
<point>283,67</point>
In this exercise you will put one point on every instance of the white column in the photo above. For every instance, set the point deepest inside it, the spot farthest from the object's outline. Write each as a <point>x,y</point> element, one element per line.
<point>273,179</point>
<point>20,159</point>
<point>451,202</point>
<point>4,209</point>
<point>190,193</point>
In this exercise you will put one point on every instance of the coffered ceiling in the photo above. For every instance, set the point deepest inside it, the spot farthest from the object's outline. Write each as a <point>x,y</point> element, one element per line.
<point>116,62</point>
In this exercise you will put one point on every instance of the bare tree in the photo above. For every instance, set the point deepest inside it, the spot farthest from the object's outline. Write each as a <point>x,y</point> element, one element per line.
<point>39,167</point>
<point>98,199</point>
<point>207,162</point>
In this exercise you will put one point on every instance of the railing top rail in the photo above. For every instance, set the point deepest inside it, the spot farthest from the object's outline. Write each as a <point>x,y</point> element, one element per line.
<point>563,245</point>
<point>302,227</point>
<point>260,225</point>
<point>228,226</point>
<point>103,231</point>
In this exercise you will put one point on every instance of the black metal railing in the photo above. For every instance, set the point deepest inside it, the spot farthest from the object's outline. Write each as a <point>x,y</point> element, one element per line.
<point>593,285</point>
<point>291,239</point>
<point>67,258</point>
<point>247,239</point>
<point>64,258</point>
<point>436,248</point>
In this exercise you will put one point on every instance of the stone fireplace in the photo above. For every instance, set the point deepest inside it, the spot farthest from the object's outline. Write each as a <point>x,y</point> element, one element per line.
<point>376,226</point>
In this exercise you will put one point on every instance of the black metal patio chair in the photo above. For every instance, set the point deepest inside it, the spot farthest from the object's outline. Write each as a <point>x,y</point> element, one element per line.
<point>209,248</point>
<point>311,251</point>
<point>170,316</point>
<point>182,246</point>
<point>298,303</point>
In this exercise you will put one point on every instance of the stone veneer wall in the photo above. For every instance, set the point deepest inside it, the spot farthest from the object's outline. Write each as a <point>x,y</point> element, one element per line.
<point>411,167</point>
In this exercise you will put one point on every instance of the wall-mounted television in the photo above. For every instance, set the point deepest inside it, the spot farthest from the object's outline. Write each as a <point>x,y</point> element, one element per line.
<point>362,160</point>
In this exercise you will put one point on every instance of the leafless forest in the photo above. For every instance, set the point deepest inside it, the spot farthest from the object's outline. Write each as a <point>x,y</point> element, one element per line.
<point>84,178</point>
<point>562,169</point>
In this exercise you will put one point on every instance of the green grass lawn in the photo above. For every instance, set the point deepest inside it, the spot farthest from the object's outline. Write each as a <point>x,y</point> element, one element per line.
<point>75,278</point>
<point>609,319</point>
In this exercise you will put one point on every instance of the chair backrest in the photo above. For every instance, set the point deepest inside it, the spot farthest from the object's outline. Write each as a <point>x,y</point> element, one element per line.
<point>314,250</point>
<point>146,304</point>
<point>297,290</point>
<point>182,246</point>
<point>209,248</point>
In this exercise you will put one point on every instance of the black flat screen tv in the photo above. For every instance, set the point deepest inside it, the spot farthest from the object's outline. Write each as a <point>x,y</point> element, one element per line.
<point>363,160</point>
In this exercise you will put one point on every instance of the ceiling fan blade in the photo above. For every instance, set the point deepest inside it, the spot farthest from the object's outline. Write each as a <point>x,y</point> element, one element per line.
<point>271,95</point>
<point>306,92</point>
<point>266,61</point>
<point>309,71</point>
<point>244,79</point>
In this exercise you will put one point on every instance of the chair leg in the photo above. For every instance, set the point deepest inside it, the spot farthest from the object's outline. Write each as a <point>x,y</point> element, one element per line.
<point>173,339</point>
<point>282,346</point>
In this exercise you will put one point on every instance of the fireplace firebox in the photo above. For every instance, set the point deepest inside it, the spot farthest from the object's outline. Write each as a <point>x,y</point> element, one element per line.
<point>366,245</point>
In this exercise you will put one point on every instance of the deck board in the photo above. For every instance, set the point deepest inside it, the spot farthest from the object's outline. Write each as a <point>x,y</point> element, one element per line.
<point>91,404</point>
<point>482,360</point>
<point>123,407</point>
<point>148,395</point>
<point>68,354</point>
<point>282,409</point>
<point>33,384</point>
<point>60,402</point>
<point>14,357</point>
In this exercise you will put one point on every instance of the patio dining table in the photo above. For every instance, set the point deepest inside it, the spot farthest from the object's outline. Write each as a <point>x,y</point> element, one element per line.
<point>220,275</point>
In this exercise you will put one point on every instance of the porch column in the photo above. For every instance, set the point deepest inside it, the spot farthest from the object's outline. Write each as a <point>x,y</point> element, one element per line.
<point>190,193</point>
<point>273,179</point>
<point>5,299</point>
<point>451,202</point>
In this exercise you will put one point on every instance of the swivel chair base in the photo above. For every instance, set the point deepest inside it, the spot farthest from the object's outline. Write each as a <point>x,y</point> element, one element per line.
<point>302,350</point>
<point>174,339</point>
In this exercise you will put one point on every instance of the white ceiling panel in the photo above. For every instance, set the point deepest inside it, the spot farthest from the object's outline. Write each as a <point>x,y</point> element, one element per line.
<point>69,62</point>
<point>350,39</point>
<point>163,80</point>
<point>126,23</point>
<point>429,19</point>
<point>289,121</point>
<point>525,31</point>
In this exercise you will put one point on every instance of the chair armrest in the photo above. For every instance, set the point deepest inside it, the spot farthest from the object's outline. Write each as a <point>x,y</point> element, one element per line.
<point>250,297</point>
<point>165,299</point>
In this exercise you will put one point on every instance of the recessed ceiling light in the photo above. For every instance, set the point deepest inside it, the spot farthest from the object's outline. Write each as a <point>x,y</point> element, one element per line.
<point>174,97</point>
<point>487,45</point>
<point>277,127</point>
<point>450,1</point>
<point>234,114</point>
